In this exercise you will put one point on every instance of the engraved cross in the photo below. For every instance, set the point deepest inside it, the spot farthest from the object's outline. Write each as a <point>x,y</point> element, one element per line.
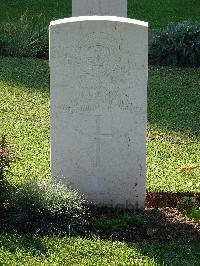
<point>98,137</point>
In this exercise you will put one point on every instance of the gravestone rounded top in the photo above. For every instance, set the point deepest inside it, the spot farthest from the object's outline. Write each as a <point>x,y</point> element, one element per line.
<point>99,18</point>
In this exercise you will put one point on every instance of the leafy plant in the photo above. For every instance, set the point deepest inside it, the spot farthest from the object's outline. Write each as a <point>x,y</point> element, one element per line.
<point>187,205</point>
<point>45,206</point>
<point>178,45</point>
<point>27,36</point>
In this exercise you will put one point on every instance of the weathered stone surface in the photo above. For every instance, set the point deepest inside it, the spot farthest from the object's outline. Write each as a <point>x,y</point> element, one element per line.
<point>98,68</point>
<point>99,7</point>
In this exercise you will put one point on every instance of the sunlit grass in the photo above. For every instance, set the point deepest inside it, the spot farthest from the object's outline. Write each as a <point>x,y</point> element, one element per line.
<point>173,129</point>
<point>24,116</point>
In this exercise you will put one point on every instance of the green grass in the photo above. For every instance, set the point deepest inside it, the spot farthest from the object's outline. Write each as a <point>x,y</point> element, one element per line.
<point>26,250</point>
<point>51,8</point>
<point>196,215</point>
<point>24,115</point>
<point>173,123</point>
<point>160,12</point>
<point>121,223</point>
<point>156,12</point>
<point>173,129</point>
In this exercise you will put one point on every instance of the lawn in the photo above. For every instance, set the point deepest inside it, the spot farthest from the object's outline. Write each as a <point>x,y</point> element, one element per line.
<point>160,12</point>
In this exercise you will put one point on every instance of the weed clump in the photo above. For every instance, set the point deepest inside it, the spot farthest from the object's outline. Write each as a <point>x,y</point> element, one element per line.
<point>25,37</point>
<point>187,205</point>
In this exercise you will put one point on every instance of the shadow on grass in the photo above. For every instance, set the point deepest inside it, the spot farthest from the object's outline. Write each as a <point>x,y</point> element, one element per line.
<point>165,236</point>
<point>28,74</point>
<point>174,99</point>
<point>172,254</point>
<point>28,243</point>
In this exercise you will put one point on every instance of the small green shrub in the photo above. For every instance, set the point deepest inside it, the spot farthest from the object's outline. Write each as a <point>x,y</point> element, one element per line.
<point>26,37</point>
<point>124,222</point>
<point>187,205</point>
<point>177,45</point>
<point>45,206</point>
<point>196,215</point>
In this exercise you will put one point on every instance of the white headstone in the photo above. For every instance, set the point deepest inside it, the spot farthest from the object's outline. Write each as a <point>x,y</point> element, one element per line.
<point>99,7</point>
<point>98,68</point>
